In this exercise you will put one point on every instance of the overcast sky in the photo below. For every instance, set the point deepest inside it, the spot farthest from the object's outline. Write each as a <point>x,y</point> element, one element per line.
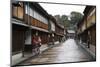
<point>61,9</point>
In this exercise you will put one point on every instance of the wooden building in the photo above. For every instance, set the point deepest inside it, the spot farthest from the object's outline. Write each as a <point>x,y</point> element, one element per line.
<point>56,30</point>
<point>87,28</point>
<point>18,27</point>
<point>28,19</point>
<point>59,32</point>
<point>52,29</point>
<point>71,34</point>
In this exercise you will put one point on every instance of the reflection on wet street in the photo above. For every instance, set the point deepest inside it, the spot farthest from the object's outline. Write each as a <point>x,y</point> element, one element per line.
<point>69,51</point>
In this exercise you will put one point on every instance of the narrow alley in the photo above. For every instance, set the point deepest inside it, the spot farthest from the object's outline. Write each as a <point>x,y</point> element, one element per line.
<point>69,51</point>
<point>40,36</point>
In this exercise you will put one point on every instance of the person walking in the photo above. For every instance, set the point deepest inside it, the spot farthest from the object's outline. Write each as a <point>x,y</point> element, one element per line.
<point>36,44</point>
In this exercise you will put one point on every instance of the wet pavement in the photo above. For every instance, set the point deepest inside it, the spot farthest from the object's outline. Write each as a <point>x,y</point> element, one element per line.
<point>69,51</point>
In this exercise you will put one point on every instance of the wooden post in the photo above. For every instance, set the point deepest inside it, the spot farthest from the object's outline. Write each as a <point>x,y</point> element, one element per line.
<point>23,45</point>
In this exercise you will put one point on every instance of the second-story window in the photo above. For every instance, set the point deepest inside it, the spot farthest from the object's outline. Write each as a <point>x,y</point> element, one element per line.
<point>17,10</point>
<point>52,26</point>
<point>35,14</point>
<point>39,17</point>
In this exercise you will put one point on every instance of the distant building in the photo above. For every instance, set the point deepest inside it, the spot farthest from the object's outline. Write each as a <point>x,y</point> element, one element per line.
<point>70,34</point>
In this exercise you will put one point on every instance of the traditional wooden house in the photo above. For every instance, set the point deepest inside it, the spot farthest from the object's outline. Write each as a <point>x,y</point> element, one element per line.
<point>28,19</point>
<point>38,20</point>
<point>87,28</point>
<point>70,33</point>
<point>90,13</point>
<point>59,32</point>
<point>18,27</point>
<point>82,35</point>
<point>56,30</point>
<point>52,24</point>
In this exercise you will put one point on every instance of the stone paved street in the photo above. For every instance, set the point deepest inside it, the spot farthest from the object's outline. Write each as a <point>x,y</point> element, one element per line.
<point>69,51</point>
